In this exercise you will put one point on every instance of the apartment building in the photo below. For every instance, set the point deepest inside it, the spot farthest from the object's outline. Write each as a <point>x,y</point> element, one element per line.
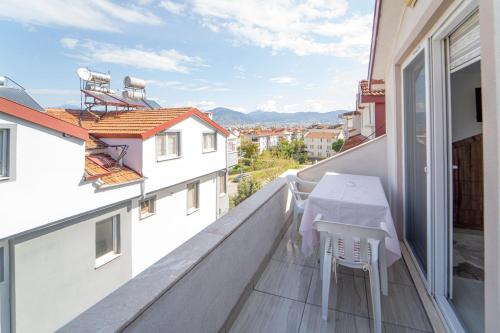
<point>370,103</point>
<point>233,146</point>
<point>89,199</point>
<point>319,144</point>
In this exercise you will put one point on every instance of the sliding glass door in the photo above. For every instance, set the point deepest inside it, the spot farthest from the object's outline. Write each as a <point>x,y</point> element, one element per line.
<point>415,125</point>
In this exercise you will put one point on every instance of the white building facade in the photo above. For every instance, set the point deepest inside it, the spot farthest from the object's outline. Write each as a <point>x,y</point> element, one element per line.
<point>79,219</point>
<point>319,144</point>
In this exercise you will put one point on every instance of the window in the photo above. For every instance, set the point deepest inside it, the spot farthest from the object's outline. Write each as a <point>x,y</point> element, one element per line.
<point>147,208</point>
<point>231,146</point>
<point>107,240</point>
<point>4,153</point>
<point>193,197</point>
<point>168,145</point>
<point>222,183</point>
<point>209,142</point>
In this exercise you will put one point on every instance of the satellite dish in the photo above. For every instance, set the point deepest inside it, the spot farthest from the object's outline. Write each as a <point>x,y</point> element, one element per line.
<point>84,74</point>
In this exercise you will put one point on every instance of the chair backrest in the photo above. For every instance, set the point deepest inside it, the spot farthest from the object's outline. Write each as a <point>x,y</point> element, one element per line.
<point>292,182</point>
<point>352,243</point>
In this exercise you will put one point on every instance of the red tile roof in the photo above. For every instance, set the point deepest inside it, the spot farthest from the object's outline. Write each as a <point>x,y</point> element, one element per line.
<point>105,168</point>
<point>321,135</point>
<point>365,90</point>
<point>22,112</point>
<point>132,124</point>
<point>353,141</point>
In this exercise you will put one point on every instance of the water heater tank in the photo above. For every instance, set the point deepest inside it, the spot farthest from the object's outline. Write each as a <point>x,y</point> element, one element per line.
<point>87,75</point>
<point>133,94</point>
<point>133,82</point>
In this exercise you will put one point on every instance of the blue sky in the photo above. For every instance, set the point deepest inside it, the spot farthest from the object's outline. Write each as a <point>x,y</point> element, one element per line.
<point>274,55</point>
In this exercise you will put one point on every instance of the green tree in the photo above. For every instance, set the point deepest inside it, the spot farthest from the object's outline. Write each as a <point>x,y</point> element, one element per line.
<point>249,149</point>
<point>337,145</point>
<point>246,187</point>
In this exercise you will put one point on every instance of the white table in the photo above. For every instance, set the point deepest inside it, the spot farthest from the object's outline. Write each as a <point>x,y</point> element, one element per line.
<point>352,199</point>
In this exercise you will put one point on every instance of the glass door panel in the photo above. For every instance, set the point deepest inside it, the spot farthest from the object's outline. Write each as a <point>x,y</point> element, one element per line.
<point>416,158</point>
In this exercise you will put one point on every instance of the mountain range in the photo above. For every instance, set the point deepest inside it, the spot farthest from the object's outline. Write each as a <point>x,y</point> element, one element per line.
<point>225,116</point>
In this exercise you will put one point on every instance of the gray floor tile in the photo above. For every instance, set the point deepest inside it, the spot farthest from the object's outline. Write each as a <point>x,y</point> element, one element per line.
<point>289,251</point>
<point>398,273</point>
<point>347,295</point>
<point>263,313</point>
<point>390,328</point>
<point>337,322</point>
<point>351,271</point>
<point>285,279</point>
<point>402,307</point>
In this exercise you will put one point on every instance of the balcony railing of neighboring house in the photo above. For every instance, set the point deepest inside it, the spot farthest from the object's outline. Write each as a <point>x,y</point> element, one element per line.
<point>210,282</point>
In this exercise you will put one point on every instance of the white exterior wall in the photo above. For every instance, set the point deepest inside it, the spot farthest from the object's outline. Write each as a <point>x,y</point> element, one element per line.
<point>133,158</point>
<point>56,277</point>
<point>49,180</point>
<point>193,162</point>
<point>155,236</point>
<point>368,120</point>
<point>319,148</point>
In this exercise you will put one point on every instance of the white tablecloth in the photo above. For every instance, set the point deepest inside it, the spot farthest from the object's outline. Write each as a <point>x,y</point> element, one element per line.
<point>351,199</point>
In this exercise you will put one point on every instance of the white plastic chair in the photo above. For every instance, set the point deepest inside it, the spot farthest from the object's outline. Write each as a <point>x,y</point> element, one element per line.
<point>295,184</point>
<point>353,246</point>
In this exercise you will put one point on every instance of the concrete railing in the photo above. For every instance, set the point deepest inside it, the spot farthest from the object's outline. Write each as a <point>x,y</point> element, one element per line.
<point>197,287</point>
<point>368,159</point>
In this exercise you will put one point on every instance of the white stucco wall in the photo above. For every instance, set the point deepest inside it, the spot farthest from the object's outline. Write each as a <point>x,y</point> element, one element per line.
<point>133,157</point>
<point>55,274</point>
<point>193,162</point>
<point>159,234</point>
<point>49,180</point>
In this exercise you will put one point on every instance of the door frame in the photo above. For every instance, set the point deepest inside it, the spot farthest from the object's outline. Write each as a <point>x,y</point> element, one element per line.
<point>442,182</point>
<point>426,277</point>
<point>5,292</point>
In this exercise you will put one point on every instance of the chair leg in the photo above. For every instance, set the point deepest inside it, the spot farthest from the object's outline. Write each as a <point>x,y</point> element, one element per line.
<point>375,291</point>
<point>327,273</point>
<point>382,264</point>
<point>293,234</point>
<point>321,253</point>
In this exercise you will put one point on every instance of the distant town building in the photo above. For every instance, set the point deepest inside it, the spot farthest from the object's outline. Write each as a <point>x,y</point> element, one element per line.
<point>319,144</point>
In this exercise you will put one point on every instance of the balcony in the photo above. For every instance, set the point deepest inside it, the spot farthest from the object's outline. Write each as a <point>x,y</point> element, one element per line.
<point>241,274</point>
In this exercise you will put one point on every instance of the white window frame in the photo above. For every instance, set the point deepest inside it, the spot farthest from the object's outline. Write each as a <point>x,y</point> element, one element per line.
<point>196,207</point>
<point>4,152</point>
<point>222,175</point>
<point>115,252</point>
<point>208,150</point>
<point>164,136</point>
<point>8,152</point>
<point>148,214</point>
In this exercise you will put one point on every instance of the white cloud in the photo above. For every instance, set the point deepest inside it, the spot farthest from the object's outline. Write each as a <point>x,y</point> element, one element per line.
<point>284,79</point>
<point>270,106</point>
<point>193,85</point>
<point>69,43</point>
<point>101,15</point>
<point>202,105</point>
<point>173,7</point>
<point>304,27</point>
<point>93,52</point>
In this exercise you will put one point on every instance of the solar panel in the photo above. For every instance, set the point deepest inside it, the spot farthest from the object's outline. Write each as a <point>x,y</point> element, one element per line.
<point>151,104</point>
<point>20,96</point>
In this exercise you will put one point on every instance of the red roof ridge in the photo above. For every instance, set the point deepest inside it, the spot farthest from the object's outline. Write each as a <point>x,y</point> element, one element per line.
<point>43,119</point>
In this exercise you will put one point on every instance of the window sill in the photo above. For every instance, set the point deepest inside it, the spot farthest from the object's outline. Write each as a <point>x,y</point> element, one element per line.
<point>4,178</point>
<point>222,195</point>
<point>209,151</point>
<point>104,259</point>
<point>167,158</point>
<point>145,216</point>
<point>192,210</point>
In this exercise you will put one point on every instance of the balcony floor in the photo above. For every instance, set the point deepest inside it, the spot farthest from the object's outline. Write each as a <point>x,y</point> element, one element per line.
<point>287,298</point>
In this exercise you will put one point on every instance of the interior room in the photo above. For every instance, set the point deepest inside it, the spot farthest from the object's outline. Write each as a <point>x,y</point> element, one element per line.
<point>467,285</point>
